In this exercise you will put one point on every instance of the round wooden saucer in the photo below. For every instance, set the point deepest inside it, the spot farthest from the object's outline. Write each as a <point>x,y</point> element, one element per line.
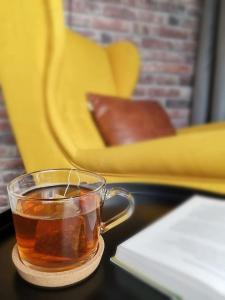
<point>58,279</point>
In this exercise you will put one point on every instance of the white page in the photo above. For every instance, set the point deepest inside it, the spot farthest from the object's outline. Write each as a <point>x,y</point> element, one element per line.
<point>190,240</point>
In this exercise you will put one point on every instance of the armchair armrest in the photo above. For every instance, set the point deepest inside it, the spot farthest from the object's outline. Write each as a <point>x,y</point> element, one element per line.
<point>199,155</point>
<point>202,128</point>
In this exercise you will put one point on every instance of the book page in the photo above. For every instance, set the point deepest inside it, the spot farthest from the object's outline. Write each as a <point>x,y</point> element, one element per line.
<point>189,240</point>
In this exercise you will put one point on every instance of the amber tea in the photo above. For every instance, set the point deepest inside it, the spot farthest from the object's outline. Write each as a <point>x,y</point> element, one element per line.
<point>54,234</point>
<point>57,216</point>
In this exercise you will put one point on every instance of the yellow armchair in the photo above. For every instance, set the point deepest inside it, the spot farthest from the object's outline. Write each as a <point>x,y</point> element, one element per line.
<point>45,72</point>
<point>41,60</point>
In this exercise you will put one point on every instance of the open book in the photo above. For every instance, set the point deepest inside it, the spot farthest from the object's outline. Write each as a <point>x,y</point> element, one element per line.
<point>183,253</point>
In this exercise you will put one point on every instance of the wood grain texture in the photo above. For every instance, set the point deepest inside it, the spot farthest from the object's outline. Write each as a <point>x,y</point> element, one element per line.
<point>58,279</point>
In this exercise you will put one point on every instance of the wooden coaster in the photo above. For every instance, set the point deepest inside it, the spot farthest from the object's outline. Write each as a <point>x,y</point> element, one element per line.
<point>58,279</point>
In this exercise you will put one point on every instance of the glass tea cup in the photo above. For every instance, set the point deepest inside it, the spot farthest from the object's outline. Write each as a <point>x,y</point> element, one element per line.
<point>57,216</point>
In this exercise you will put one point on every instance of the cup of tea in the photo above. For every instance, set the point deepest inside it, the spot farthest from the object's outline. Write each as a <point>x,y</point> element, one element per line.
<point>57,216</point>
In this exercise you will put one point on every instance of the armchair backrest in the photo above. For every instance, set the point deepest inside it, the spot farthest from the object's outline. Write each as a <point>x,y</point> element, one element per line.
<point>45,72</point>
<point>26,33</point>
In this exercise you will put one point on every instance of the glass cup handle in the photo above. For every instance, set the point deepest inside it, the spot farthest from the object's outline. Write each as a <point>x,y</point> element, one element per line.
<point>123,215</point>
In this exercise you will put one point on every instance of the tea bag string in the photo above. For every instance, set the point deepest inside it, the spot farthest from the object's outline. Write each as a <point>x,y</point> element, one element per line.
<point>68,182</point>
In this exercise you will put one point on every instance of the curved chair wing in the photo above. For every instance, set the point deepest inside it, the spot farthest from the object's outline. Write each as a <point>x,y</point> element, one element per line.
<point>25,52</point>
<point>125,63</point>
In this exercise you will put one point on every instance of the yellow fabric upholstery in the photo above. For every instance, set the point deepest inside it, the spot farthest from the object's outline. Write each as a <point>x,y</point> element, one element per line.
<point>201,128</point>
<point>24,63</point>
<point>45,72</point>
<point>124,60</point>
<point>84,68</point>
<point>40,59</point>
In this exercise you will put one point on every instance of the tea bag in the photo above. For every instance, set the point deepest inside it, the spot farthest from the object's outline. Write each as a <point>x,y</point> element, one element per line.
<point>59,233</point>
<point>60,237</point>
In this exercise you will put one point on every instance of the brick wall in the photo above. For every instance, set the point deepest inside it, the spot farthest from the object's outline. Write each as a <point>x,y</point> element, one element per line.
<point>165,32</point>
<point>10,162</point>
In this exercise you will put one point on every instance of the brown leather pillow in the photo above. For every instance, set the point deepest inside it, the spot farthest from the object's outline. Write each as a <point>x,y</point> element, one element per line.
<point>124,122</point>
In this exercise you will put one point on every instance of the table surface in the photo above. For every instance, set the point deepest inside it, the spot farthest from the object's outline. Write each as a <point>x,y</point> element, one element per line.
<point>108,282</point>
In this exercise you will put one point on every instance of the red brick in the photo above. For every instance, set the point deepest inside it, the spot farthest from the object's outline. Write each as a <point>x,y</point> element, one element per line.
<point>190,46</point>
<point>107,1</point>
<point>167,6</point>
<point>134,3</point>
<point>179,46</point>
<point>166,80</point>
<point>147,78</point>
<point>177,103</point>
<point>190,58</point>
<point>157,5</point>
<point>155,92</point>
<point>79,20</point>
<point>164,56</point>
<point>141,29</point>
<point>86,32</point>
<point>86,7</point>
<point>1,97</point>
<point>170,32</point>
<point>151,17</point>
<point>161,79</point>
<point>111,24</point>
<point>157,43</point>
<point>193,35</point>
<point>11,163</point>
<point>190,23</point>
<point>167,68</point>
<point>4,125</point>
<point>140,92</point>
<point>186,80</point>
<point>8,151</point>
<point>7,138</point>
<point>177,68</point>
<point>194,11</point>
<point>121,12</point>
<point>3,113</point>
<point>178,113</point>
<point>130,2</point>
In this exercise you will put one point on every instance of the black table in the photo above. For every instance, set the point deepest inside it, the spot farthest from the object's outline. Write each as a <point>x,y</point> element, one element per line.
<point>108,282</point>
